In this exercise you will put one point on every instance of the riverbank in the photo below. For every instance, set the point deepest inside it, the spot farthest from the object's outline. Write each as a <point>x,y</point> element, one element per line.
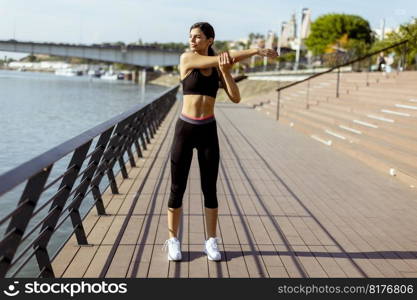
<point>250,89</point>
<point>27,70</point>
<point>168,79</point>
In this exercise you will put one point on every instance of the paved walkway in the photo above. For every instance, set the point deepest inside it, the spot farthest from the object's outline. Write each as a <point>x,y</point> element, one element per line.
<point>288,207</point>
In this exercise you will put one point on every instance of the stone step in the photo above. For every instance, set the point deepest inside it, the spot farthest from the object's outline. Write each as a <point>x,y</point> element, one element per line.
<point>372,111</point>
<point>387,148</point>
<point>374,160</point>
<point>404,130</point>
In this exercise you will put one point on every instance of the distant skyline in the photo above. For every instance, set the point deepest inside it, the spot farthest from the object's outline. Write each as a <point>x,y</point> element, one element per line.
<point>97,21</point>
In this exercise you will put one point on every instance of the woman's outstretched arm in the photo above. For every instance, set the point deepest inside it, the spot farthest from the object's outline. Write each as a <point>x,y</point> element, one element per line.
<point>191,60</point>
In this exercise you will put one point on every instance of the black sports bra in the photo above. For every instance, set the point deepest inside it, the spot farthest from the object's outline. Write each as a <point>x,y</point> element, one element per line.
<point>196,83</point>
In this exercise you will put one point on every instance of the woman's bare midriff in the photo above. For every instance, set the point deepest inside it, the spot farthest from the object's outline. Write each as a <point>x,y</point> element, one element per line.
<point>198,106</point>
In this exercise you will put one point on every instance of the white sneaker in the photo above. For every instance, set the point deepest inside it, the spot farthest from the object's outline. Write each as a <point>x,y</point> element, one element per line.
<point>210,248</point>
<point>174,249</point>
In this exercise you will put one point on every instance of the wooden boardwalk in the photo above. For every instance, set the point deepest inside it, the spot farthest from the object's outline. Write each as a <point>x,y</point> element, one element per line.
<point>288,207</point>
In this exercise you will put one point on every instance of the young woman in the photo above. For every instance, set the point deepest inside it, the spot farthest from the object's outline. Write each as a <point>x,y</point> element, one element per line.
<point>200,71</point>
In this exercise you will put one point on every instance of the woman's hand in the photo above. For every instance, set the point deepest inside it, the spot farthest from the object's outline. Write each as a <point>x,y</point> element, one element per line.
<point>267,52</point>
<point>225,62</point>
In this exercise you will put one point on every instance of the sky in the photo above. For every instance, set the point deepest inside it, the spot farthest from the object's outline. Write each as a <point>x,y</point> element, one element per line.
<point>96,21</point>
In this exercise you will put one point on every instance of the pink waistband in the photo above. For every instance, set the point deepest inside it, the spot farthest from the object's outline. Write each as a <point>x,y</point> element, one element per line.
<point>194,118</point>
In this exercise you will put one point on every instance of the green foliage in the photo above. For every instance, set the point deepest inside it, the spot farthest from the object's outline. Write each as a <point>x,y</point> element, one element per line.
<point>252,37</point>
<point>330,28</point>
<point>287,57</point>
<point>170,46</point>
<point>168,69</point>
<point>242,45</point>
<point>220,46</point>
<point>358,47</point>
<point>258,63</point>
<point>31,58</point>
<point>52,58</point>
<point>406,31</point>
<point>118,66</point>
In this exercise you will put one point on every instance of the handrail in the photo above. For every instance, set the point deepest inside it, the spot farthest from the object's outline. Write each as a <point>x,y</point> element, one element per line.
<point>343,65</point>
<point>17,175</point>
<point>114,138</point>
<point>405,41</point>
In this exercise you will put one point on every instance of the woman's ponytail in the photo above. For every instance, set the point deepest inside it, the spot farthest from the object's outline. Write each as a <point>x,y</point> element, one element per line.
<point>211,51</point>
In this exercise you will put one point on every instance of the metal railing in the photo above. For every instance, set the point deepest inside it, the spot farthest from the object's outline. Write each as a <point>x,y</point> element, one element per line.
<point>113,143</point>
<point>363,63</point>
<point>323,61</point>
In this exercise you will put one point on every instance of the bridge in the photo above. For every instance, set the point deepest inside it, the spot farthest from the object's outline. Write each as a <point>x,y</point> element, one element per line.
<point>301,197</point>
<point>144,56</point>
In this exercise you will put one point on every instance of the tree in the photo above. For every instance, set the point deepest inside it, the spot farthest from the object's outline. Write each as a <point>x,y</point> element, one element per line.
<point>254,36</point>
<point>169,46</point>
<point>406,31</point>
<point>221,46</point>
<point>287,57</point>
<point>31,58</point>
<point>330,29</point>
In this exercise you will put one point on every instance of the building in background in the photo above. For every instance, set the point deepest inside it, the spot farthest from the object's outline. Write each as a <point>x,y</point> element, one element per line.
<point>293,32</point>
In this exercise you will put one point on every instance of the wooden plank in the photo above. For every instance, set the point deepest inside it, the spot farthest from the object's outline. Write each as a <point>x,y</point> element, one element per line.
<point>80,262</point>
<point>225,231</point>
<point>246,227</point>
<point>159,266</point>
<point>139,265</point>
<point>236,263</point>
<point>180,269</point>
<point>273,262</point>
<point>327,262</point>
<point>307,236</point>
<point>120,262</point>
<point>198,264</point>
<point>97,263</point>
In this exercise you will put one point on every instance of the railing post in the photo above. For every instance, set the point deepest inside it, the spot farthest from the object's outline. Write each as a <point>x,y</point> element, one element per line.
<point>142,130</point>
<point>404,56</point>
<point>85,182</point>
<point>131,138</point>
<point>338,83</point>
<point>278,102</point>
<point>56,208</point>
<point>20,221</point>
<point>146,125</point>
<point>107,162</point>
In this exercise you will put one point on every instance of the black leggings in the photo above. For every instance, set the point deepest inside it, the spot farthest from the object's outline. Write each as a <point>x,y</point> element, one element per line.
<point>203,137</point>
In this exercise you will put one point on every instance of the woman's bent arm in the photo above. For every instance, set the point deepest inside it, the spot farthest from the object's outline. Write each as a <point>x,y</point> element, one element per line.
<point>230,86</point>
